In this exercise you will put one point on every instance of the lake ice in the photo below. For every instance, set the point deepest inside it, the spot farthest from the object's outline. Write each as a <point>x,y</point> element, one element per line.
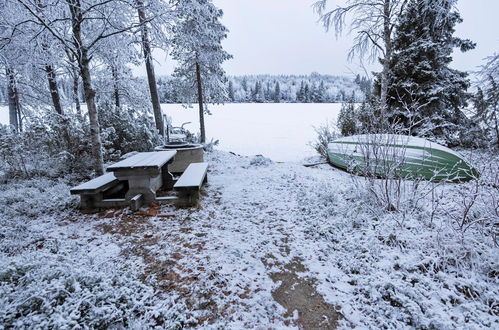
<point>279,131</point>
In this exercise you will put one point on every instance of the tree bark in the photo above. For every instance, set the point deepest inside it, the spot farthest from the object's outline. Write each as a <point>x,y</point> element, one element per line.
<point>200,103</point>
<point>117,101</point>
<point>54,91</point>
<point>387,39</point>
<point>151,77</point>
<point>13,96</point>
<point>76,95</point>
<point>83,63</point>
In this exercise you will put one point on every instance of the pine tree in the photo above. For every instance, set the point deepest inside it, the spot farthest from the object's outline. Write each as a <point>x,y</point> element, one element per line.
<point>277,93</point>
<point>306,94</point>
<point>321,93</point>
<point>231,91</point>
<point>300,95</point>
<point>197,47</point>
<point>425,94</point>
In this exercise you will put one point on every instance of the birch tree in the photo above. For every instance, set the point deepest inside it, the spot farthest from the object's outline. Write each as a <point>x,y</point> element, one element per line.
<point>373,22</point>
<point>144,11</point>
<point>79,27</point>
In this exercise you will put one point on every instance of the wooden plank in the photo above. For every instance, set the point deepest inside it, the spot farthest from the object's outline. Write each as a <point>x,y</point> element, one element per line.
<point>193,176</point>
<point>95,185</point>
<point>136,202</point>
<point>155,159</point>
<point>166,199</point>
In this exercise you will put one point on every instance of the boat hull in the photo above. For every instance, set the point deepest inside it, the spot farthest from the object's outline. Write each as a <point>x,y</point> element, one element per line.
<point>399,156</point>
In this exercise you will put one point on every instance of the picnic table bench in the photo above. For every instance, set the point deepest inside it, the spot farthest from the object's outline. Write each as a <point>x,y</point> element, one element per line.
<point>93,193</point>
<point>190,182</point>
<point>138,178</point>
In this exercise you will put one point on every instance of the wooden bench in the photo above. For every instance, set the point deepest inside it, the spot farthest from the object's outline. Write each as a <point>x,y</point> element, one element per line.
<point>189,184</point>
<point>93,193</point>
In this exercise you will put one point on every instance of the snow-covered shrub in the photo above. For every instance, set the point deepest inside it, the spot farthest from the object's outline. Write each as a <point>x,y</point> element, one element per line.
<point>348,119</point>
<point>260,160</point>
<point>58,290</point>
<point>326,133</point>
<point>36,196</point>
<point>475,204</point>
<point>414,267</point>
<point>50,145</point>
<point>54,145</point>
<point>125,130</point>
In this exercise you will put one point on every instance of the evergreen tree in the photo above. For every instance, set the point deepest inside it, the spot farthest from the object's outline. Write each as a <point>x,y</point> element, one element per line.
<point>348,118</point>
<point>300,95</point>
<point>306,94</point>
<point>197,47</point>
<point>486,104</point>
<point>321,93</point>
<point>231,91</point>
<point>277,93</point>
<point>425,94</point>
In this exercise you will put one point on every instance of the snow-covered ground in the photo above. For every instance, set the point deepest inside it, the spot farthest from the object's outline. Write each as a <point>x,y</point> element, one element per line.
<point>278,131</point>
<point>273,245</point>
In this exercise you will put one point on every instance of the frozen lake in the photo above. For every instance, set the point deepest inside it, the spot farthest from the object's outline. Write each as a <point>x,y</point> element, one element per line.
<point>281,131</point>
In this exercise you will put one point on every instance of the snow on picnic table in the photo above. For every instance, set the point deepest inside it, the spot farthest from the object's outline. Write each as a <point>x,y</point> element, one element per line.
<point>223,264</point>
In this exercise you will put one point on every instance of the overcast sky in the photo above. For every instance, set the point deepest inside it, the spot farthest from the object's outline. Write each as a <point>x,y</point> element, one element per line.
<point>283,37</point>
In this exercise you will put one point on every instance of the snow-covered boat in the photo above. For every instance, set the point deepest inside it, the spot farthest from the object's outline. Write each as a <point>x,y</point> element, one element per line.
<point>391,155</point>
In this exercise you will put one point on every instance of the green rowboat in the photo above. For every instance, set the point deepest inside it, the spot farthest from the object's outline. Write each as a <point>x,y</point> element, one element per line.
<point>399,156</point>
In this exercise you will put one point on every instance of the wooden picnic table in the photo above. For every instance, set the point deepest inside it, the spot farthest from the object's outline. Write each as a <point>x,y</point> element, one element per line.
<point>145,172</point>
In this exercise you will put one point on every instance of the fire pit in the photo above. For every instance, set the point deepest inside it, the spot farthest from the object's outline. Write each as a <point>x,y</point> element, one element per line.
<point>186,153</point>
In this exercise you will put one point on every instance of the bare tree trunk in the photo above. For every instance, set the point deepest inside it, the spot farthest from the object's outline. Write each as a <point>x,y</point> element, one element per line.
<point>54,91</point>
<point>387,38</point>
<point>83,63</point>
<point>117,101</point>
<point>76,92</point>
<point>13,96</point>
<point>200,102</point>
<point>151,78</point>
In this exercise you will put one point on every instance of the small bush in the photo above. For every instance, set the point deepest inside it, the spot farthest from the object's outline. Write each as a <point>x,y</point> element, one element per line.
<point>325,134</point>
<point>57,291</point>
<point>125,130</point>
<point>54,145</point>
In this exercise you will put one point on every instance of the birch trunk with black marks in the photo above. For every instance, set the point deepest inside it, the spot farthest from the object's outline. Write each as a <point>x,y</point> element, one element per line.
<point>13,96</point>
<point>387,39</point>
<point>76,91</point>
<point>151,77</point>
<point>54,91</point>
<point>116,85</point>
<point>84,66</point>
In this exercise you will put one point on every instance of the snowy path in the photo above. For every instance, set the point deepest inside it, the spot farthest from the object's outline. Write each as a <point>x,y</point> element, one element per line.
<point>238,260</point>
<point>280,245</point>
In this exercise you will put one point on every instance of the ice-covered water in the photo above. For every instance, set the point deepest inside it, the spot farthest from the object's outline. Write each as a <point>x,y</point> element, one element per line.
<point>280,131</point>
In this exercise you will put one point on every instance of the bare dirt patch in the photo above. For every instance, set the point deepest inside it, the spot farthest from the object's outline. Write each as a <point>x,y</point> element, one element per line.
<point>301,299</point>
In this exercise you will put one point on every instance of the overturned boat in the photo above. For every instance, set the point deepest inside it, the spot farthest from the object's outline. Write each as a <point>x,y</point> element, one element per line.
<point>399,156</point>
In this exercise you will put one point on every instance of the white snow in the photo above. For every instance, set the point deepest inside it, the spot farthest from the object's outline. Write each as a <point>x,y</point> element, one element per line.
<point>4,115</point>
<point>213,266</point>
<point>279,131</point>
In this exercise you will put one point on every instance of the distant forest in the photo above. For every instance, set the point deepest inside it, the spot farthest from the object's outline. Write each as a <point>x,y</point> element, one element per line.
<point>313,88</point>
